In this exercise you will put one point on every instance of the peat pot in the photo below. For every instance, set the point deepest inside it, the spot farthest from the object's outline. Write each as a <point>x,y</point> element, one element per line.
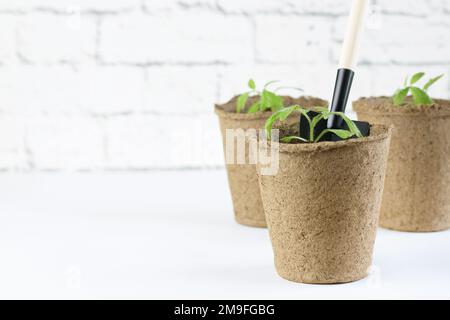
<point>417,191</point>
<point>242,178</point>
<point>322,207</point>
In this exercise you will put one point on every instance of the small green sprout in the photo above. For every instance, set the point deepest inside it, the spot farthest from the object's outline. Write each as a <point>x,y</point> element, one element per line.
<point>420,95</point>
<point>268,99</point>
<point>323,113</point>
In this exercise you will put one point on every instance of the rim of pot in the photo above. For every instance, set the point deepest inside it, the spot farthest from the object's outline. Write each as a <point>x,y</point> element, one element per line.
<point>219,109</point>
<point>379,133</point>
<point>384,106</point>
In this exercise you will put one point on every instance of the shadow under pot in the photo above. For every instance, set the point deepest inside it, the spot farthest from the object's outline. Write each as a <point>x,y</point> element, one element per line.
<point>417,191</point>
<point>322,207</point>
<point>242,178</point>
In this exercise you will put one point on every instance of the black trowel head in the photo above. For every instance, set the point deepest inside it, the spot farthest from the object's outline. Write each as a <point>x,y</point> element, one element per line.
<point>364,127</point>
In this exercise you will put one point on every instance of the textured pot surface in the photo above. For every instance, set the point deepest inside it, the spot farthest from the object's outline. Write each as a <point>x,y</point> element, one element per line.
<point>242,178</point>
<point>322,207</point>
<point>417,190</point>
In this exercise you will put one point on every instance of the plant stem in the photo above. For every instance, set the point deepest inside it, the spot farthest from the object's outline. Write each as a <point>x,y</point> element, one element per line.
<point>311,129</point>
<point>324,132</point>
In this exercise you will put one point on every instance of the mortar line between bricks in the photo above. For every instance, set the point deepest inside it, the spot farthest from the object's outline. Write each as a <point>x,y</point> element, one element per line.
<point>332,31</point>
<point>218,86</point>
<point>365,63</point>
<point>13,12</point>
<point>98,25</point>
<point>28,151</point>
<point>166,169</point>
<point>146,113</point>
<point>97,115</point>
<point>113,170</point>
<point>65,12</point>
<point>167,64</point>
<point>211,9</point>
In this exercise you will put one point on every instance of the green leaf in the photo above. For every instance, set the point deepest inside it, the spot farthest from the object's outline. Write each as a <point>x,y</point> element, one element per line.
<point>432,81</point>
<point>400,96</point>
<point>241,102</point>
<point>343,134</point>
<point>281,115</point>
<point>275,102</point>
<point>254,107</point>
<point>405,84</point>
<point>324,112</point>
<point>270,100</point>
<point>417,77</point>
<point>292,138</point>
<point>251,84</point>
<point>420,97</point>
<point>265,101</point>
<point>352,127</point>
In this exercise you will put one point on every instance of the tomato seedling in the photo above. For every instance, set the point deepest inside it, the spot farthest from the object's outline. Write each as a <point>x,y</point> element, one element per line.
<point>268,99</point>
<point>420,95</point>
<point>322,113</point>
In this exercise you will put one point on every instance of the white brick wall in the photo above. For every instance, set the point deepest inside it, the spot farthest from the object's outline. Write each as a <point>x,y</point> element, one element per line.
<point>64,6</point>
<point>8,27</point>
<point>12,143</point>
<point>198,37</point>
<point>72,142</point>
<point>275,42</point>
<point>183,90</point>
<point>130,84</point>
<point>50,39</point>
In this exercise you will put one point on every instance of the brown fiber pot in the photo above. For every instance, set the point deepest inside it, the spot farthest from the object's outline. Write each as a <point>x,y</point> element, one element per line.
<point>417,191</point>
<point>243,182</point>
<point>322,207</point>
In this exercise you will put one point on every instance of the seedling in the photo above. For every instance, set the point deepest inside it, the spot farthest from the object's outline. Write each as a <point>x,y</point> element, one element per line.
<point>321,113</point>
<point>268,99</point>
<point>420,95</point>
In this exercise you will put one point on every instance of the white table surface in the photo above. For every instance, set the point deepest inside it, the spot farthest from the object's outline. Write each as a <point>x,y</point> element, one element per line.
<point>156,235</point>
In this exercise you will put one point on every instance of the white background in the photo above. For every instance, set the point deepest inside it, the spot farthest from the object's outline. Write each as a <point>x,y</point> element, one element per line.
<point>172,235</point>
<point>111,169</point>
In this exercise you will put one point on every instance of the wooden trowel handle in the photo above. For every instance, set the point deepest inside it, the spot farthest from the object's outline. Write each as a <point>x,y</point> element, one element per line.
<point>345,73</point>
<point>352,38</point>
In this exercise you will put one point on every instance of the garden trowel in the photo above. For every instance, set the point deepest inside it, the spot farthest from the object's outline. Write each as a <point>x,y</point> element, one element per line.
<point>344,80</point>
